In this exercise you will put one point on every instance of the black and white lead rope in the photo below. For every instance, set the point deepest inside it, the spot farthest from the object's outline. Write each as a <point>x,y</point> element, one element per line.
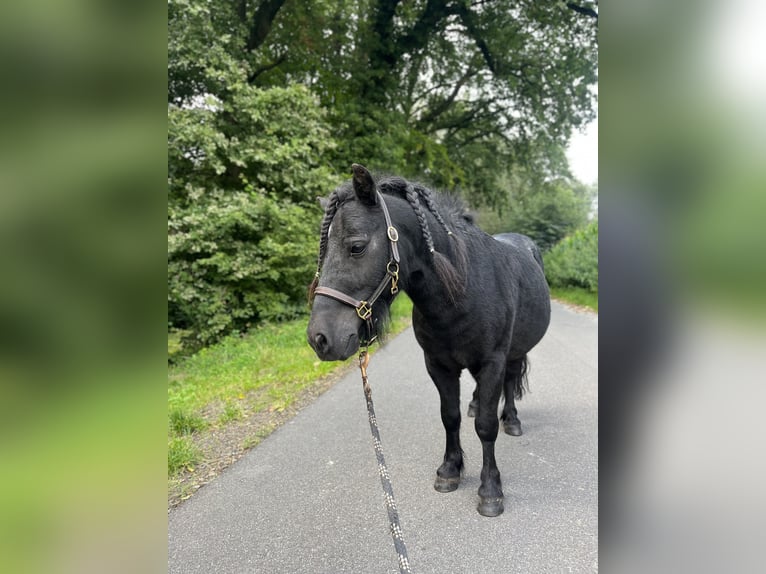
<point>385,480</point>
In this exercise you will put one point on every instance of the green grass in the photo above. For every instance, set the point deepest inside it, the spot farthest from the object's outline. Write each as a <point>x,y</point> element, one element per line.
<point>264,370</point>
<point>184,423</point>
<point>231,412</point>
<point>181,454</point>
<point>576,296</point>
<point>274,359</point>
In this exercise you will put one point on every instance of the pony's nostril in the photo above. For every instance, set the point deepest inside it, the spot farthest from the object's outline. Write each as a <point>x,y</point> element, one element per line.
<point>320,341</point>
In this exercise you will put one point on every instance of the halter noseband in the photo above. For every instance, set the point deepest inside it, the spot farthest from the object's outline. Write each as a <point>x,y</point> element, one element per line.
<point>364,307</point>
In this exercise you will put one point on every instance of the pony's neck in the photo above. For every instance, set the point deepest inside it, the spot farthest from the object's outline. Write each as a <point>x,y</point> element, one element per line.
<point>419,278</point>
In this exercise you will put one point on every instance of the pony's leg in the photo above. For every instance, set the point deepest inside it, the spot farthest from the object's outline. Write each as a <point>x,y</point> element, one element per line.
<point>511,422</point>
<point>447,381</point>
<point>510,417</point>
<point>473,406</point>
<point>490,378</point>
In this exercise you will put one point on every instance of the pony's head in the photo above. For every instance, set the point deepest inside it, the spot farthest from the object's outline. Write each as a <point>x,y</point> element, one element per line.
<point>354,261</point>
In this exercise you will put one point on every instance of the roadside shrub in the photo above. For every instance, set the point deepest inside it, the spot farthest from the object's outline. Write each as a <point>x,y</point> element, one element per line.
<point>235,260</point>
<point>546,211</point>
<point>573,262</point>
<point>243,177</point>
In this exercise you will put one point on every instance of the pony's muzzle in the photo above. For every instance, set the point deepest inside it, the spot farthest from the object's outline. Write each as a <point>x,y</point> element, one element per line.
<point>329,348</point>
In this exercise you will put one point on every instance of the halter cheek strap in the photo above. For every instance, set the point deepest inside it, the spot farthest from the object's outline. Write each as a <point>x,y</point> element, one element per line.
<point>364,307</point>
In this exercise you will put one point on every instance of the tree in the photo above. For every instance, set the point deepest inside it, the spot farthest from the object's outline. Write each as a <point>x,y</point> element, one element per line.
<point>267,99</point>
<point>449,88</point>
<point>551,213</point>
<point>547,210</point>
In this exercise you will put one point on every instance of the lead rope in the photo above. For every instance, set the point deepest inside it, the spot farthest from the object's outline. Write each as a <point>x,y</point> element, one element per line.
<point>385,480</point>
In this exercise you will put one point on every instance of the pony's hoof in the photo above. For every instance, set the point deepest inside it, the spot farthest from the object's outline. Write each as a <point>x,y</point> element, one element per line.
<point>472,410</point>
<point>443,484</point>
<point>490,506</point>
<point>512,428</point>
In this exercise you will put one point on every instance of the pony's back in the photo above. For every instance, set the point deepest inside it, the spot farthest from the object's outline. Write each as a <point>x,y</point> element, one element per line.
<point>522,242</point>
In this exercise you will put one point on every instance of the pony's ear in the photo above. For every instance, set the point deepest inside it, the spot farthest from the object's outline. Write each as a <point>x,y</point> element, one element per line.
<point>364,185</point>
<point>323,202</point>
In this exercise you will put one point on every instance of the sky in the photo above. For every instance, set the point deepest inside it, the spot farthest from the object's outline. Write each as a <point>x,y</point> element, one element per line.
<point>582,153</point>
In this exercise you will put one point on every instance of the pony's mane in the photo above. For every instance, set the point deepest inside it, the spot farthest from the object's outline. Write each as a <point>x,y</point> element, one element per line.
<point>448,206</point>
<point>450,212</point>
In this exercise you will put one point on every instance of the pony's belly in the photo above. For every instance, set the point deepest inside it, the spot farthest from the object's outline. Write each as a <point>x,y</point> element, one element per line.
<point>530,327</point>
<point>457,345</point>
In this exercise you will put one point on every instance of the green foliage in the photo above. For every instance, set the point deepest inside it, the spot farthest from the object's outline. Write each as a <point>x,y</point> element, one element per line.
<point>264,141</point>
<point>546,211</point>
<point>573,262</point>
<point>268,100</point>
<point>242,217</point>
<point>457,91</point>
<point>236,259</point>
<point>550,214</point>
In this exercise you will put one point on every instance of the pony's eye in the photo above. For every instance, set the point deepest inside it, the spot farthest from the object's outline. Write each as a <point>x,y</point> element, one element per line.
<point>358,249</point>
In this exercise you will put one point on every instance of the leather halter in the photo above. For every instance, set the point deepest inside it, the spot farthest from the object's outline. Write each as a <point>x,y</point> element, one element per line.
<point>364,307</point>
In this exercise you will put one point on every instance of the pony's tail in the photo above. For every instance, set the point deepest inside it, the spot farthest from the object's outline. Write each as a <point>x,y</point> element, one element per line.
<point>521,383</point>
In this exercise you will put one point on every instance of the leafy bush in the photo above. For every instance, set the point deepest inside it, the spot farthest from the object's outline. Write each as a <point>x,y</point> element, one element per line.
<point>574,260</point>
<point>243,221</point>
<point>237,259</point>
<point>550,212</point>
<point>547,210</point>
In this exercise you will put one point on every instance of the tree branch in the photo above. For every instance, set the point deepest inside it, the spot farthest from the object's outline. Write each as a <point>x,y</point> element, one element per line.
<point>474,137</point>
<point>383,28</point>
<point>465,119</point>
<point>582,10</point>
<point>417,37</point>
<point>242,11</point>
<point>469,21</point>
<point>262,21</point>
<point>265,68</point>
<point>447,103</point>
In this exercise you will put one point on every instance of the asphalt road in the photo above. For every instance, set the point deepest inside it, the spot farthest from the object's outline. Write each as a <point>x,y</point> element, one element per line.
<point>308,499</point>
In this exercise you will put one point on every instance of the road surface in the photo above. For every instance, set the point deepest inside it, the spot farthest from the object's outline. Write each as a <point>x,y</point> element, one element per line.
<point>308,499</point>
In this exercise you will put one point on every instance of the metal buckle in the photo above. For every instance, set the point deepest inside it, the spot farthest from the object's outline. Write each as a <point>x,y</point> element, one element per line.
<point>393,234</point>
<point>364,311</point>
<point>393,270</point>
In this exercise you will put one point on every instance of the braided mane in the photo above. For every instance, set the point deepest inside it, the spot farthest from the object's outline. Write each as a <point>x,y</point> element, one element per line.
<point>449,267</point>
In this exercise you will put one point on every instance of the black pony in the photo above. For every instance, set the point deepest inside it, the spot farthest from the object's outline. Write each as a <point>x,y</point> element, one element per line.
<point>479,303</point>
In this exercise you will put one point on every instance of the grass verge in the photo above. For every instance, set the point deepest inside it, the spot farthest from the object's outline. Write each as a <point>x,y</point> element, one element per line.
<point>576,296</point>
<point>227,398</point>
